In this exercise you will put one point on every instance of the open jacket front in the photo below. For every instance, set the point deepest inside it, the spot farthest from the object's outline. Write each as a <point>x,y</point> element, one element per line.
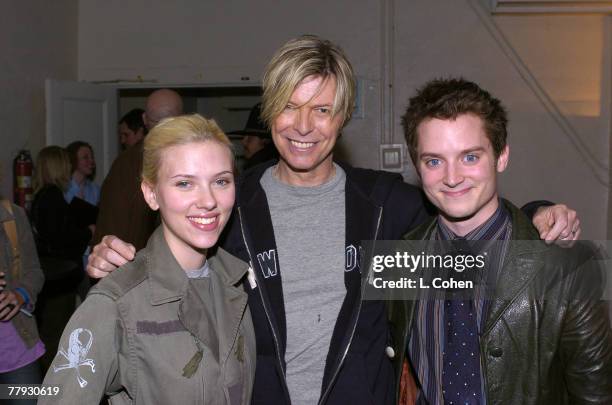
<point>357,370</point>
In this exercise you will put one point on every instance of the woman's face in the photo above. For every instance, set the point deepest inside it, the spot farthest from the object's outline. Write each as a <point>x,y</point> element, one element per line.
<point>195,195</point>
<point>85,161</point>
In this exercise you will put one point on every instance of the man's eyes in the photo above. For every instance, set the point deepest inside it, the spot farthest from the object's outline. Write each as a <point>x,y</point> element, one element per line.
<point>471,158</point>
<point>321,110</point>
<point>433,162</point>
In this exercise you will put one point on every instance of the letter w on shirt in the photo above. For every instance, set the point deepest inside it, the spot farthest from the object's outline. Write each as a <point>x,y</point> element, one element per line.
<point>267,262</point>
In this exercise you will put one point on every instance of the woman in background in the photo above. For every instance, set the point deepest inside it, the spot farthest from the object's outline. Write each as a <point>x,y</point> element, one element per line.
<point>21,279</point>
<point>83,168</point>
<point>56,228</point>
<point>60,242</point>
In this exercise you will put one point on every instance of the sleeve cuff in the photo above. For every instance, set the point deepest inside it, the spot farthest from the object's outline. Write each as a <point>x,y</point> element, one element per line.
<point>26,297</point>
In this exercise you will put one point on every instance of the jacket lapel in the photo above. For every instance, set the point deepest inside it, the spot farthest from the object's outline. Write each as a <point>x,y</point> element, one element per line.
<point>198,318</point>
<point>167,281</point>
<point>256,216</point>
<point>522,263</point>
<point>356,231</point>
<point>216,322</point>
<point>230,301</point>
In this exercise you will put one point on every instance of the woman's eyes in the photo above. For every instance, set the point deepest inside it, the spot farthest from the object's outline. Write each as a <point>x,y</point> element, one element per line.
<point>182,183</point>
<point>222,182</point>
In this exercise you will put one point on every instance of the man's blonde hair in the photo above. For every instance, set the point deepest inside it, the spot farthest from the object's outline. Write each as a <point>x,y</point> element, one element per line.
<point>174,131</point>
<point>299,58</point>
<point>52,168</point>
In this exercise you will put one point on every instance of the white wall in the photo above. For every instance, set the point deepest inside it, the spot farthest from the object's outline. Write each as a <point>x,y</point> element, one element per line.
<point>38,39</point>
<point>197,42</point>
<point>524,60</point>
<point>563,54</point>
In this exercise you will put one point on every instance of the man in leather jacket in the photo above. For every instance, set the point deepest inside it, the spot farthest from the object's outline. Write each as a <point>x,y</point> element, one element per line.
<point>541,334</point>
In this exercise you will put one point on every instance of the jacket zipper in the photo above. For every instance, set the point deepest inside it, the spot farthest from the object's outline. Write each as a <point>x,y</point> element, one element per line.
<point>337,371</point>
<point>263,304</point>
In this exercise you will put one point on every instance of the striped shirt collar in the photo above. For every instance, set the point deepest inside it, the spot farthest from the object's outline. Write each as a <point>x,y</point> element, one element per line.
<point>492,229</point>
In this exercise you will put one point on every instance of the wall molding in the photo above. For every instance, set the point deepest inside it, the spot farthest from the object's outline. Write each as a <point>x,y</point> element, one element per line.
<point>550,7</point>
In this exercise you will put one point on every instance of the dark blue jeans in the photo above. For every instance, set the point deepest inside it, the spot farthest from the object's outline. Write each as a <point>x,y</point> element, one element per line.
<point>29,374</point>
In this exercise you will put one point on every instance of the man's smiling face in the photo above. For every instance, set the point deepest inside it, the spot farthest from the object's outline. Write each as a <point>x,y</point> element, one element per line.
<point>305,132</point>
<point>458,169</point>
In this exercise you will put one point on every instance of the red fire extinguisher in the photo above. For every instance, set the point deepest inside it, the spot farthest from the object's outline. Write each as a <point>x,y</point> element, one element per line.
<point>23,193</point>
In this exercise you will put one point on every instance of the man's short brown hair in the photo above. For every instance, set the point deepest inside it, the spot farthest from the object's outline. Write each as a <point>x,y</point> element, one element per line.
<point>446,99</point>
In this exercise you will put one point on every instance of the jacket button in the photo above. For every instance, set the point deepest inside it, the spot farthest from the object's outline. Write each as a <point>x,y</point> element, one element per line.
<point>496,352</point>
<point>390,352</point>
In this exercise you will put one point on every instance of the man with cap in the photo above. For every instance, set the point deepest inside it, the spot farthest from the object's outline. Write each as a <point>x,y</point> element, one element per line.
<point>256,140</point>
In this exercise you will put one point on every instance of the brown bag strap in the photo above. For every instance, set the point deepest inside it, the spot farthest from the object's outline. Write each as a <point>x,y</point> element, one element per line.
<point>10,227</point>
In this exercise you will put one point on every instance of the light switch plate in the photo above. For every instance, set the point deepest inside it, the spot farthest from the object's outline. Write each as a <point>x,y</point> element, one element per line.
<point>391,157</point>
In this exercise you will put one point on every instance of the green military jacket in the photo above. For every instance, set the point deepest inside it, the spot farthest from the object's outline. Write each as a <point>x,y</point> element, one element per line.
<point>547,338</point>
<point>145,335</point>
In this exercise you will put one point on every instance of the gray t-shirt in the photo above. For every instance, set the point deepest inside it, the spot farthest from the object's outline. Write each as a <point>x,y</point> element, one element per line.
<point>202,272</point>
<point>309,228</point>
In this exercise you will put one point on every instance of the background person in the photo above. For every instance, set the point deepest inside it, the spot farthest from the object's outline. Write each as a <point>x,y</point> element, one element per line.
<point>21,279</point>
<point>131,128</point>
<point>61,239</point>
<point>123,210</point>
<point>256,140</point>
<point>83,166</point>
<point>172,326</point>
<point>82,187</point>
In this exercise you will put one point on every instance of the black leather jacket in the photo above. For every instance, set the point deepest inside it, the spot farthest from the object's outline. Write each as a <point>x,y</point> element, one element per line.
<point>547,338</point>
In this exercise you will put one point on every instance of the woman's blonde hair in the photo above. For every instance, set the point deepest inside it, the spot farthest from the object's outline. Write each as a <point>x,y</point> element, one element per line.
<point>299,58</point>
<point>52,168</point>
<point>174,131</point>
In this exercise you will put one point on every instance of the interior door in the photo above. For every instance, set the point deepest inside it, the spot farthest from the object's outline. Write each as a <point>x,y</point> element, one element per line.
<point>84,112</point>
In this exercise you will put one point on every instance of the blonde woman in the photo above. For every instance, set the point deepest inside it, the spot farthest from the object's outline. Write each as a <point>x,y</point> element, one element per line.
<point>57,231</point>
<point>172,326</point>
<point>60,241</point>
